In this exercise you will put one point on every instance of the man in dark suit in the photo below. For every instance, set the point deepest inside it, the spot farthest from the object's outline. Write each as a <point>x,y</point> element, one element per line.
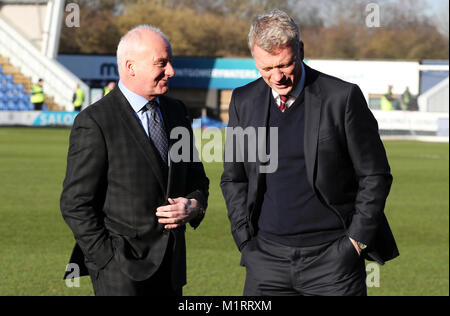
<point>306,226</point>
<point>124,199</point>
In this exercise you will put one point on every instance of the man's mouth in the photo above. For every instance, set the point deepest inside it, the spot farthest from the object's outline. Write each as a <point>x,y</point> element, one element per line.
<point>282,85</point>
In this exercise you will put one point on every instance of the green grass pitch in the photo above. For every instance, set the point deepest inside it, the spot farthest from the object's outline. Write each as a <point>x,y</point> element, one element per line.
<point>35,243</point>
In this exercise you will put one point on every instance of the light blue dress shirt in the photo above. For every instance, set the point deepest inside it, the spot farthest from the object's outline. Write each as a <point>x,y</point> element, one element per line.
<point>138,102</point>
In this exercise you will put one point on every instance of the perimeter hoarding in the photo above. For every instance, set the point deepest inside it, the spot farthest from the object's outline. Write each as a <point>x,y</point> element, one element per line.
<point>201,73</point>
<point>36,118</point>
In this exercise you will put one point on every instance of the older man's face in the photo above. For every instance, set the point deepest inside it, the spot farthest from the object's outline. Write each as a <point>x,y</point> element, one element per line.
<point>281,70</point>
<point>152,65</point>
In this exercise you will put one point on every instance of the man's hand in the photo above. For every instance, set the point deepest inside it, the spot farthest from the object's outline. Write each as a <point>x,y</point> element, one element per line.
<point>178,213</point>
<point>355,244</point>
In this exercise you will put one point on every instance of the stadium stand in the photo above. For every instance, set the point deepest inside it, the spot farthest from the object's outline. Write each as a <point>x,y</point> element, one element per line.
<point>13,96</point>
<point>26,63</point>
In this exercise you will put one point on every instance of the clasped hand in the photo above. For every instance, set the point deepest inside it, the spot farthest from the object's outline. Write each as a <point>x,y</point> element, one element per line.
<point>178,213</point>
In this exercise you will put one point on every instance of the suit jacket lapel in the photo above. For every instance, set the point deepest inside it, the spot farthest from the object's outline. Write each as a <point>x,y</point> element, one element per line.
<point>133,124</point>
<point>261,118</point>
<point>313,107</point>
<point>169,124</point>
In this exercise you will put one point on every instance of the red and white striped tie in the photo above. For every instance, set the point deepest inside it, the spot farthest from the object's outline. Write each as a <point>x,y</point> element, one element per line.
<point>283,100</point>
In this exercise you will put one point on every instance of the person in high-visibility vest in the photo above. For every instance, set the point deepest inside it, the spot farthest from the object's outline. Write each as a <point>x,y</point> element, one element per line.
<point>78,98</point>
<point>37,95</point>
<point>406,100</point>
<point>387,101</point>
<point>109,88</point>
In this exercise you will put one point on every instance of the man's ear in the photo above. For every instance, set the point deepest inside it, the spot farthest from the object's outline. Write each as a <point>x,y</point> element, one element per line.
<point>129,67</point>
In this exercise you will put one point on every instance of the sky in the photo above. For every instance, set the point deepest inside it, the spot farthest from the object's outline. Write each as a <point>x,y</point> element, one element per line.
<point>436,5</point>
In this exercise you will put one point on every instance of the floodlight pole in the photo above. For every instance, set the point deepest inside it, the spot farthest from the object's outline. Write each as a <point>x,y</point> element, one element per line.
<point>52,28</point>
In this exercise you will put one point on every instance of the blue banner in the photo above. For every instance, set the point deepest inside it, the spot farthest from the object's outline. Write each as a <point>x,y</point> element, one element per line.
<point>213,73</point>
<point>190,72</point>
<point>55,119</point>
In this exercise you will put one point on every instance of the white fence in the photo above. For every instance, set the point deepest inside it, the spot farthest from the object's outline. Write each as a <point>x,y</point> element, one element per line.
<point>415,125</point>
<point>436,99</point>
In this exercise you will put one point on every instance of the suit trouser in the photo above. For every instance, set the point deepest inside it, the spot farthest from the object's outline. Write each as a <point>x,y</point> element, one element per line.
<point>111,281</point>
<point>38,106</point>
<point>331,269</point>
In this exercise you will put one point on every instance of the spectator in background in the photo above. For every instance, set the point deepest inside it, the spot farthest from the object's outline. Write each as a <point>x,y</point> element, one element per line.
<point>111,85</point>
<point>406,100</point>
<point>37,95</point>
<point>387,100</point>
<point>78,98</point>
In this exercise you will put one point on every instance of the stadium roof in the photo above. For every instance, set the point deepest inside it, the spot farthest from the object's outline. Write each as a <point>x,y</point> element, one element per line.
<point>23,2</point>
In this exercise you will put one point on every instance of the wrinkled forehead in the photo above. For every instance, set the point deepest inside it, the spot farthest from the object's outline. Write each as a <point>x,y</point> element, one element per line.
<point>279,56</point>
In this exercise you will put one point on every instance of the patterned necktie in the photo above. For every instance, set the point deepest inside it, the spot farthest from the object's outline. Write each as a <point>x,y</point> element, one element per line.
<point>283,100</point>
<point>156,130</point>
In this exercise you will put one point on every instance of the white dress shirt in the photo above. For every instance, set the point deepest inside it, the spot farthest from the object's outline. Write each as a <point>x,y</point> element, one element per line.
<point>294,93</point>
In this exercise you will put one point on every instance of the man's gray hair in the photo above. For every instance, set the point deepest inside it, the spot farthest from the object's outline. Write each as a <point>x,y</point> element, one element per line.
<point>135,34</point>
<point>272,30</point>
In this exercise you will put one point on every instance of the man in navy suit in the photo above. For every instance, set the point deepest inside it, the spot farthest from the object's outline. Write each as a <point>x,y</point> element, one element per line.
<point>124,199</point>
<point>306,227</point>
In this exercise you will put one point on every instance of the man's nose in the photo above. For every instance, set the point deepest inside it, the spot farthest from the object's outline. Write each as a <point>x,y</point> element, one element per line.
<point>277,75</point>
<point>170,71</point>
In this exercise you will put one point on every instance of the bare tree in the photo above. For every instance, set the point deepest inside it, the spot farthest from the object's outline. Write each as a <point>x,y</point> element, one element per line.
<point>442,20</point>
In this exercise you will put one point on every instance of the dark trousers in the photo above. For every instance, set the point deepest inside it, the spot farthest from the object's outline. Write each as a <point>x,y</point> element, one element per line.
<point>38,106</point>
<point>111,281</point>
<point>332,269</point>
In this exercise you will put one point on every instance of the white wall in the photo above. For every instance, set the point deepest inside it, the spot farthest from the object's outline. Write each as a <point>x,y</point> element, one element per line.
<point>373,77</point>
<point>27,19</point>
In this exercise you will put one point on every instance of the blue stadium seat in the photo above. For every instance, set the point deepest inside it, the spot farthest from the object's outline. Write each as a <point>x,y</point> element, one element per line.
<point>11,106</point>
<point>26,97</point>
<point>9,78</point>
<point>10,86</point>
<point>3,86</point>
<point>9,95</point>
<point>4,97</point>
<point>20,88</point>
<point>15,97</point>
<point>23,106</point>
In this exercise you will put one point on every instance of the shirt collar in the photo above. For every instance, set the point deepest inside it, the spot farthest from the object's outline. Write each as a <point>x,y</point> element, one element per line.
<point>297,90</point>
<point>136,101</point>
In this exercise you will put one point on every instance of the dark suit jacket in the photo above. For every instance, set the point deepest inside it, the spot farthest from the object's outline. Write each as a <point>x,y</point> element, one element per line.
<point>115,182</point>
<point>346,162</point>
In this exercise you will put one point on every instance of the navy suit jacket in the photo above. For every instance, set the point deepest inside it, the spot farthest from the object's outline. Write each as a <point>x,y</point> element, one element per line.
<point>114,183</point>
<point>345,160</point>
